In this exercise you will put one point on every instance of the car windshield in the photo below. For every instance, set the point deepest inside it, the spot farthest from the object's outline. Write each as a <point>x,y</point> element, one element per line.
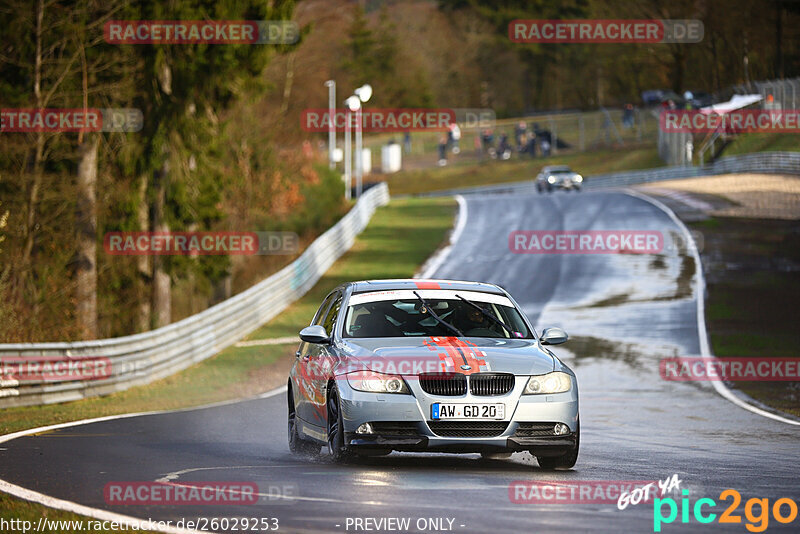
<point>408,317</point>
<point>561,171</point>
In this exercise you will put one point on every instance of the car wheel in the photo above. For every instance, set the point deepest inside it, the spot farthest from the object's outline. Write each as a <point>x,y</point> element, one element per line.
<point>298,445</point>
<point>565,461</point>
<point>549,188</point>
<point>539,187</point>
<point>336,446</point>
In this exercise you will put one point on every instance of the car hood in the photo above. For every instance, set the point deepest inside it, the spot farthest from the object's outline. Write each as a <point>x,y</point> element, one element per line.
<point>410,356</point>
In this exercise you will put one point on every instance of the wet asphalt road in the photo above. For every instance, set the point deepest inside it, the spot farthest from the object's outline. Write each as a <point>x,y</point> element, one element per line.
<point>623,312</point>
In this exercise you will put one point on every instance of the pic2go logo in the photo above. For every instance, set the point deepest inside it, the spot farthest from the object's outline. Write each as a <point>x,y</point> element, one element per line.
<point>757,523</point>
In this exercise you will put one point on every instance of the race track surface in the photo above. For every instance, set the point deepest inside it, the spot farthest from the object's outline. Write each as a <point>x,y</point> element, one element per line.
<point>624,312</point>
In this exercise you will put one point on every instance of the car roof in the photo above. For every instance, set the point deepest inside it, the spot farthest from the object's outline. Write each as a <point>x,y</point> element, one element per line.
<point>366,286</point>
<point>557,168</point>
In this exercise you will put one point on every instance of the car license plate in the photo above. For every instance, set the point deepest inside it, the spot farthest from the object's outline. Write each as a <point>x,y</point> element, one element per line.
<point>467,411</point>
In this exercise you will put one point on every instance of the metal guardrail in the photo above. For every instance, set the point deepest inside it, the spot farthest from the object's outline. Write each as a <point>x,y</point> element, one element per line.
<point>760,162</point>
<point>142,358</point>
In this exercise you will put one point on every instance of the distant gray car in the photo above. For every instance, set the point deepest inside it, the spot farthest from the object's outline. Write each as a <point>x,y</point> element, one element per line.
<point>558,177</point>
<point>427,365</point>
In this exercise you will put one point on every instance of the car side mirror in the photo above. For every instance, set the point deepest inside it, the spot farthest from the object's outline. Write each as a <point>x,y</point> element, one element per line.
<point>553,336</point>
<point>314,334</point>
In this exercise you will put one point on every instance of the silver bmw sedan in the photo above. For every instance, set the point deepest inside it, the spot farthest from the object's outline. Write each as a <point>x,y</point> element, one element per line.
<point>430,366</point>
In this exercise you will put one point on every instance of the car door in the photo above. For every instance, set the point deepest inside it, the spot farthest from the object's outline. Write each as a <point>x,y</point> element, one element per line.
<point>303,372</point>
<point>323,362</point>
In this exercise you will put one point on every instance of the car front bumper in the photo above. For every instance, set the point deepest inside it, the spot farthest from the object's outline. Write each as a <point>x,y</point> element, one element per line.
<point>404,423</point>
<point>567,184</point>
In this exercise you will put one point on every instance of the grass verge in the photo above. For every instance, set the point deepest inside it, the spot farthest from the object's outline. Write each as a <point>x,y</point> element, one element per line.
<point>752,268</point>
<point>398,239</point>
<point>763,142</point>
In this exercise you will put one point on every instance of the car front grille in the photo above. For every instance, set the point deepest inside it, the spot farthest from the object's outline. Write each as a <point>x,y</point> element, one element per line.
<point>488,384</point>
<point>445,384</point>
<point>534,430</point>
<point>395,428</point>
<point>455,384</point>
<point>468,429</point>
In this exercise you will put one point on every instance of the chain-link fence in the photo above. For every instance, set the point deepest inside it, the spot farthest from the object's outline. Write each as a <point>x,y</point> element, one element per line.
<point>775,94</point>
<point>532,135</point>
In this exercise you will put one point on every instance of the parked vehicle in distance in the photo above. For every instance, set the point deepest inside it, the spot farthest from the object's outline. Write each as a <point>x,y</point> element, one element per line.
<point>558,177</point>
<point>699,99</point>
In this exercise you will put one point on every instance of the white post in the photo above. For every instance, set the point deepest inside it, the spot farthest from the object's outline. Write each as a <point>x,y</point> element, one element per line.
<point>362,94</point>
<point>359,162</point>
<point>331,85</point>
<point>347,158</point>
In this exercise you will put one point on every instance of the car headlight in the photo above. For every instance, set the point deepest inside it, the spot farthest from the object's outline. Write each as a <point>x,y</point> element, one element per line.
<point>556,382</point>
<point>578,178</point>
<point>372,382</point>
<point>551,179</point>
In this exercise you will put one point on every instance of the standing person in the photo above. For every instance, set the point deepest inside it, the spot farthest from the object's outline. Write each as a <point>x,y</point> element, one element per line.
<point>449,136</point>
<point>531,149</point>
<point>503,150</point>
<point>488,143</point>
<point>455,134</point>
<point>519,135</point>
<point>545,147</point>
<point>407,142</point>
<point>443,150</point>
<point>627,116</point>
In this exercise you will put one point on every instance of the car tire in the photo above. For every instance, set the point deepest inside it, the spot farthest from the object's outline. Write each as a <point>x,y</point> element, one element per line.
<point>539,188</point>
<point>298,445</point>
<point>565,461</point>
<point>336,446</point>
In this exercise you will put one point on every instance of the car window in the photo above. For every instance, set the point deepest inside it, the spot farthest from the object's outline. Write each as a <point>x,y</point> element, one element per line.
<point>406,318</point>
<point>320,315</point>
<point>330,318</point>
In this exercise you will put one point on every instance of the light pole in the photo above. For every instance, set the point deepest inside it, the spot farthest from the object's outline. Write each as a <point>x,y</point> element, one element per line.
<point>331,85</point>
<point>363,94</point>
<point>352,103</point>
